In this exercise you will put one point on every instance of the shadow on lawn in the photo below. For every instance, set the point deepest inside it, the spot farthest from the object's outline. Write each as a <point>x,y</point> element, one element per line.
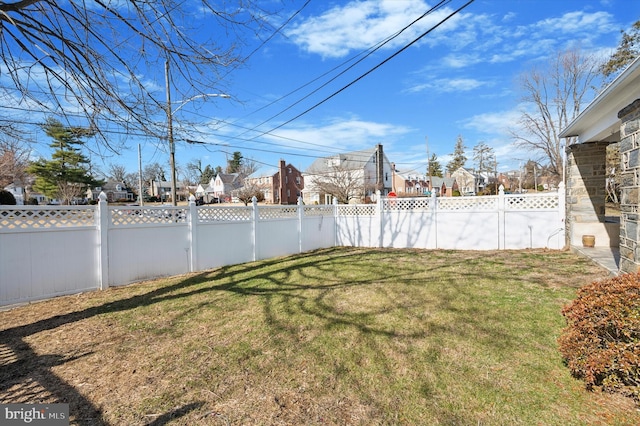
<point>27,368</point>
<point>30,378</point>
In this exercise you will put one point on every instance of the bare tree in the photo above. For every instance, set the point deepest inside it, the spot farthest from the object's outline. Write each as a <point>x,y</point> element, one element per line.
<point>14,160</point>
<point>343,184</point>
<point>98,58</point>
<point>153,171</point>
<point>248,191</point>
<point>553,98</point>
<point>248,167</point>
<point>117,172</point>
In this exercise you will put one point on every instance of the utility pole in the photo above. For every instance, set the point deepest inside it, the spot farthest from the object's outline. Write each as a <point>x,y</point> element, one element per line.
<point>172,147</point>
<point>379,169</point>
<point>140,193</point>
<point>426,141</point>
<point>495,163</point>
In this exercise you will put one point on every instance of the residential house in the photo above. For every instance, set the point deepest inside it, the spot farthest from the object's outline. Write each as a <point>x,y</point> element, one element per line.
<point>115,191</point>
<point>280,186</point>
<point>355,175</point>
<point>220,188</point>
<point>225,184</point>
<point>469,183</point>
<point>23,193</point>
<point>17,191</point>
<point>414,184</point>
<point>408,183</point>
<point>613,117</point>
<point>162,190</point>
<point>444,186</point>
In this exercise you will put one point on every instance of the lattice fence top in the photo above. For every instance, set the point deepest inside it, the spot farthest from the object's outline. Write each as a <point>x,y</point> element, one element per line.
<point>277,212</point>
<point>133,215</point>
<point>468,203</point>
<point>421,203</point>
<point>531,202</point>
<point>318,210</point>
<point>357,210</point>
<point>224,214</point>
<point>36,217</point>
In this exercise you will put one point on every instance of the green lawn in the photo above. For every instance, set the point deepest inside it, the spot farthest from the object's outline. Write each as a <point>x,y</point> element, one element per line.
<point>338,336</point>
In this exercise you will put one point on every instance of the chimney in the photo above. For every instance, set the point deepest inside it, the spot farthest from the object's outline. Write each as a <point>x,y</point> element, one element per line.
<point>379,168</point>
<point>282,189</point>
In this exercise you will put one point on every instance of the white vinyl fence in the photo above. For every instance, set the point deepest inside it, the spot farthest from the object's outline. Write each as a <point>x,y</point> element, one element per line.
<point>47,251</point>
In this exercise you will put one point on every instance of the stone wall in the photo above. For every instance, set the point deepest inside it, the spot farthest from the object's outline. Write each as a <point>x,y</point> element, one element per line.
<point>586,191</point>
<point>630,185</point>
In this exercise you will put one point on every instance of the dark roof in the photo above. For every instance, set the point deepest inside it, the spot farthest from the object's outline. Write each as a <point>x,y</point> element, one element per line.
<point>348,161</point>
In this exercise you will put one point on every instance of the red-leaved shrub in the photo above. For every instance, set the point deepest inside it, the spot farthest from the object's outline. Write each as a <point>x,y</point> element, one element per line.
<point>601,343</point>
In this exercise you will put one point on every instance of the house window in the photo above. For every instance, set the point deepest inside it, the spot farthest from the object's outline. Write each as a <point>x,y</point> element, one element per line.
<point>289,169</point>
<point>286,179</point>
<point>288,193</point>
<point>298,180</point>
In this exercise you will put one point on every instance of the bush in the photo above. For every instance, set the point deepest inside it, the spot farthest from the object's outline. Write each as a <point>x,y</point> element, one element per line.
<point>7,198</point>
<point>601,343</point>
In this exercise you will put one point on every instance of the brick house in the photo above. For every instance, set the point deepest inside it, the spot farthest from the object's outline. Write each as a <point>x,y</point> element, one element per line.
<point>280,186</point>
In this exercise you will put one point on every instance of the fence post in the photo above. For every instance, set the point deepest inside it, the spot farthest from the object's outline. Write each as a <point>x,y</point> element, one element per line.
<point>300,227</point>
<point>380,212</point>
<point>254,226</point>
<point>193,234</point>
<point>502,232</point>
<point>434,215</point>
<point>103,240</point>
<point>335,222</point>
<point>562,212</point>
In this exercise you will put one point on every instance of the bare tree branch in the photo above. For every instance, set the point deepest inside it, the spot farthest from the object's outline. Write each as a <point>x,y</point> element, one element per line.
<point>553,98</point>
<point>99,59</point>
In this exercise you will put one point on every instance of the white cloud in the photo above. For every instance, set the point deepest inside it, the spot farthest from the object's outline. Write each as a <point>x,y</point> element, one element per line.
<point>449,85</point>
<point>494,122</point>
<point>358,25</point>
<point>341,134</point>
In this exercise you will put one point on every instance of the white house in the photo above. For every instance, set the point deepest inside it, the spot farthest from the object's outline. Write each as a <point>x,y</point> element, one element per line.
<point>222,187</point>
<point>468,182</point>
<point>17,191</point>
<point>368,170</point>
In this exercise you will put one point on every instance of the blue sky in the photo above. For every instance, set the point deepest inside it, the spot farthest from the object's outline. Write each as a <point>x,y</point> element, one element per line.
<point>460,79</point>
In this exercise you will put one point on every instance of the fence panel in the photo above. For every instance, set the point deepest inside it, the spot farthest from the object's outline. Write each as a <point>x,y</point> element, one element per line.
<point>46,251</point>
<point>318,228</point>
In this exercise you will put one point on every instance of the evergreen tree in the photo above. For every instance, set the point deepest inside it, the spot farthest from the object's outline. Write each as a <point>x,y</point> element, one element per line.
<point>434,168</point>
<point>207,174</point>
<point>627,51</point>
<point>459,159</point>
<point>66,176</point>
<point>234,165</point>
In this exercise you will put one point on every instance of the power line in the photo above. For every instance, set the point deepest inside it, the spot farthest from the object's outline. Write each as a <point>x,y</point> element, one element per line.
<point>372,69</point>
<point>365,54</point>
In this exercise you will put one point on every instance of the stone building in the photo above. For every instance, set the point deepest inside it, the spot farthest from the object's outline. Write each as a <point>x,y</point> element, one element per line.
<point>612,117</point>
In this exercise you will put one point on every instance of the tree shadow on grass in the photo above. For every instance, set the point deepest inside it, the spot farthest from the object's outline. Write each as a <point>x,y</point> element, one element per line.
<point>29,378</point>
<point>270,279</point>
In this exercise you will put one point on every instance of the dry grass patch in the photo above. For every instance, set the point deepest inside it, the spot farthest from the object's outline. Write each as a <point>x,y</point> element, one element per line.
<point>338,336</point>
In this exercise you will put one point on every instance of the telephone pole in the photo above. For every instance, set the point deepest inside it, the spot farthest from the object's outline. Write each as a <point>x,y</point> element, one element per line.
<point>172,146</point>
